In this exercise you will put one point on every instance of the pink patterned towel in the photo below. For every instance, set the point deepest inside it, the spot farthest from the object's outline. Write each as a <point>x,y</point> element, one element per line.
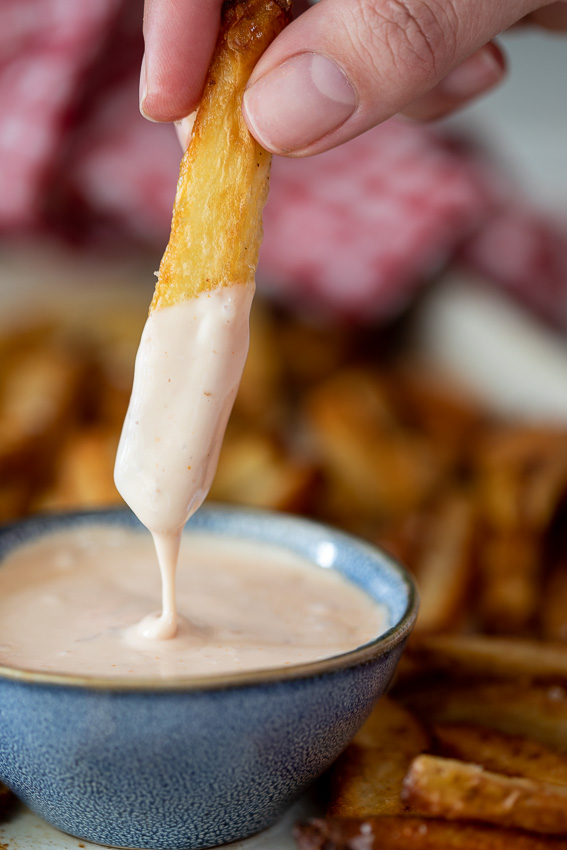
<point>354,232</point>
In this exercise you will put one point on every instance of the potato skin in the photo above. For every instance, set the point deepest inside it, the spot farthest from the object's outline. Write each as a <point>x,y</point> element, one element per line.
<point>216,228</point>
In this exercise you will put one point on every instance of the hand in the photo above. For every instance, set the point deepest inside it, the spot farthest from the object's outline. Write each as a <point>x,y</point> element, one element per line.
<point>340,68</point>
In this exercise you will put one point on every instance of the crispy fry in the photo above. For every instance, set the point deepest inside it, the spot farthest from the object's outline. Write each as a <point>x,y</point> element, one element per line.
<point>399,833</point>
<point>217,218</point>
<point>512,755</point>
<point>254,470</point>
<point>457,790</point>
<point>374,468</point>
<point>84,475</point>
<point>38,405</point>
<point>367,778</point>
<point>533,711</point>
<point>510,568</point>
<point>522,476</point>
<point>486,656</point>
<point>444,569</point>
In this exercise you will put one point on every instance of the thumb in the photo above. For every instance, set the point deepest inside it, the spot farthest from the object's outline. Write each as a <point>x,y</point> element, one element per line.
<point>346,65</point>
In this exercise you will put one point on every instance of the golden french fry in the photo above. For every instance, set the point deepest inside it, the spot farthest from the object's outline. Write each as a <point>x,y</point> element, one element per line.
<point>367,778</point>
<point>84,475</point>
<point>437,405</point>
<point>457,790</point>
<point>38,406</point>
<point>414,833</point>
<point>512,755</point>
<point>254,470</point>
<point>500,657</point>
<point>376,469</point>
<point>510,579</point>
<point>444,568</point>
<point>522,474</point>
<point>515,708</point>
<point>223,184</point>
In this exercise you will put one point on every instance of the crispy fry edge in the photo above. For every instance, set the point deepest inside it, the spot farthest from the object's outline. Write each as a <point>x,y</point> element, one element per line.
<point>223,184</point>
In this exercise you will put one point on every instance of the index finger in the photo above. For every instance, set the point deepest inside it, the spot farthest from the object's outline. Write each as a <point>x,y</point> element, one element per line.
<point>179,36</point>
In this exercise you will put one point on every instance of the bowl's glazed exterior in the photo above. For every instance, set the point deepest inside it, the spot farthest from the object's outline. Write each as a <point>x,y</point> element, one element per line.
<point>199,762</point>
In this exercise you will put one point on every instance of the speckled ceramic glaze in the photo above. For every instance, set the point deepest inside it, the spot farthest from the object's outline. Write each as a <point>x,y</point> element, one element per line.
<point>195,763</point>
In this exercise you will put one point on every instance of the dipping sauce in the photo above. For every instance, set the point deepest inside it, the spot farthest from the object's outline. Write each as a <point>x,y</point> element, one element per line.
<point>70,602</point>
<point>188,369</point>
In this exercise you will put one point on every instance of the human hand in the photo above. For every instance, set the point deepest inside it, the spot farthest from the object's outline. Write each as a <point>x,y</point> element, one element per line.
<point>341,67</point>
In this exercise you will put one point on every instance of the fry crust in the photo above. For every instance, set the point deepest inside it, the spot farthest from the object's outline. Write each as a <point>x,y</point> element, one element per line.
<point>399,833</point>
<point>216,228</point>
<point>457,790</point>
<point>367,778</point>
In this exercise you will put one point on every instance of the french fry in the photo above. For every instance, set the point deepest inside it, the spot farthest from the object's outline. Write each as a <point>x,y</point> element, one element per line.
<point>529,710</point>
<point>498,657</point>
<point>444,569</point>
<point>367,778</point>
<point>437,406</point>
<point>39,403</point>
<point>414,833</point>
<point>223,184</point>
<point>512,755</point>
<point>255,470</point>
<point>457,790</point>
<point>510,570</point>
<point>84,474</point>
<point>374,468</point>
<point>522,475</point>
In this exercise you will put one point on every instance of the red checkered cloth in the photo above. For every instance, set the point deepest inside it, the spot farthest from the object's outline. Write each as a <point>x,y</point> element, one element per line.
<point>354,232</point>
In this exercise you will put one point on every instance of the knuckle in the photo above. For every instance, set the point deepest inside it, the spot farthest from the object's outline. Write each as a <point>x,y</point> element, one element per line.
<point>418,35</point>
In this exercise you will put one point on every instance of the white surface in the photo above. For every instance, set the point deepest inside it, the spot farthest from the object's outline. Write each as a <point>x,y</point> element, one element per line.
<point>524,121</point>
<point>27,831</point>
<point>504,356</point>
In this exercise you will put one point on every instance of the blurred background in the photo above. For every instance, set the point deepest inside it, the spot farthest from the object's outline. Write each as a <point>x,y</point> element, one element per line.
<point>408,369</point>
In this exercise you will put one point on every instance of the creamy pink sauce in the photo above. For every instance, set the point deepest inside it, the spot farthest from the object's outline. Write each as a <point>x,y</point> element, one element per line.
<point>70,601</point>
<point>188,369</point>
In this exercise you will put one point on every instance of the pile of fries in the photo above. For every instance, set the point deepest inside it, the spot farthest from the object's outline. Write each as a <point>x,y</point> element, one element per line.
<point>470,749</point>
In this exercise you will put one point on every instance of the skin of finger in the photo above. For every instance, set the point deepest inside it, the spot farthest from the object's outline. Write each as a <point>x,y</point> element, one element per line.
<point>179,37</point>
<point>552,17</point>
<point>437,103</point>
<point>392,51</point>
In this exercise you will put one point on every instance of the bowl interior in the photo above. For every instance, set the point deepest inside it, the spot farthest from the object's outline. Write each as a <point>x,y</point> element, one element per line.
<point>377,574</point>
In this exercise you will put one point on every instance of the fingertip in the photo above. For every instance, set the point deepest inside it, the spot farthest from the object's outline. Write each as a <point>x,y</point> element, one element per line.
<point>184,128</point>
<point>477,75</point>
<point>179,42</point>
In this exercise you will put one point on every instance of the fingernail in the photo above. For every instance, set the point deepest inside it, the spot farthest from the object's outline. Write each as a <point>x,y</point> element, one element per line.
<point>298,103</point>
<point>143,86</point>
<point>184,128</point>
<point>476,74</point>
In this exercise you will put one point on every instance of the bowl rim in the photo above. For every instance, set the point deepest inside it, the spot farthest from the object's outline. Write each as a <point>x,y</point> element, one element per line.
<point>363,654</point>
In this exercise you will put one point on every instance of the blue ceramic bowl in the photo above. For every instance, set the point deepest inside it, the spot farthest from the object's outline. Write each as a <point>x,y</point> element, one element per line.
<point>196,763</point>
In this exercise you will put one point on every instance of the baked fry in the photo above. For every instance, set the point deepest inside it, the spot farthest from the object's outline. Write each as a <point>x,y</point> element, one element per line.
<point>522,475</point>
<point>367,778</point>
<point>254,470</point>
<point>444,568</point>
<point>457,790</point>
<point>503,657</point>
<point>533,711</point>
<point>414,833</point>
<point>512,755</point>
<point>39,403</point>
<point>375,469</point>
<point>84,475</point>
<point>223,184</point>
<point>510,569</point>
